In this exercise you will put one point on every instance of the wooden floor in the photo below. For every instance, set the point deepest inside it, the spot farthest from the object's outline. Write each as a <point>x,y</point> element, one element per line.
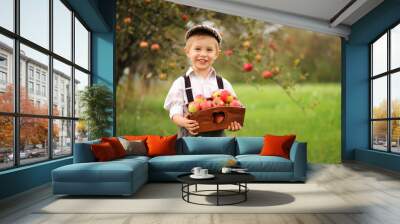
<point>378,188</point>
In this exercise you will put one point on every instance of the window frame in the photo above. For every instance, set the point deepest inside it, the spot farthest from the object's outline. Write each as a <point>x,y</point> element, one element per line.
<point>16,114</point>
<point>388,74</point>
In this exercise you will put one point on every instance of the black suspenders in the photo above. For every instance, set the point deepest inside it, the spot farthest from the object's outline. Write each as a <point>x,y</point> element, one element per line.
<point>188,86</point>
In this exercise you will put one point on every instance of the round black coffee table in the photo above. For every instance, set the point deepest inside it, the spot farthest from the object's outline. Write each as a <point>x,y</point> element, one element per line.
<point>238,179</point>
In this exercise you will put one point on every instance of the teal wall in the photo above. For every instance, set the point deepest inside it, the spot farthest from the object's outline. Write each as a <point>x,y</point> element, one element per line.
<point>99,16</point>
<point>355,86</point>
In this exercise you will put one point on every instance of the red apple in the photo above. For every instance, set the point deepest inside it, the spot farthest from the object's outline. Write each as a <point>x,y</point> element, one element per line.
<point>199,98</point>
<point>247,67</point>
<point>194,107</point>
<point>218,102</point>
<point>267,74</point>
<point>228,52</point>
<point>155,47</point>
<point>206,104</point>
<point>226,96</point>
<point>235,103</point>
<point>185,17</point>
<point>219,118</point>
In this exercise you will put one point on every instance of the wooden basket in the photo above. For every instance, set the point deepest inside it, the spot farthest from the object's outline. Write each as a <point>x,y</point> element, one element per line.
<point>210,119</point>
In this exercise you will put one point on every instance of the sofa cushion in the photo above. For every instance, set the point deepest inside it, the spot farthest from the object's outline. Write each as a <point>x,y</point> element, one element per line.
<point>134,147</point>
<point>161,145</point>
<point>207,145</point>
<point>249,145</point>
<point>277,145</point>
<point>257,163</point>
<point>111,171</point>
<point>83,152</point>
<point>116,145</point>
<point>103,152</point>
<point>185,163</point>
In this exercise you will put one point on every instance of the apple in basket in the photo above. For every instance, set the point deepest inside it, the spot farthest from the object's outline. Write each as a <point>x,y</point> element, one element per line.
<point>193,107</point>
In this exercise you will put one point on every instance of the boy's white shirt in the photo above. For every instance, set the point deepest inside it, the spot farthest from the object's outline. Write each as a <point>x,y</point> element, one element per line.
<point>176,98</point>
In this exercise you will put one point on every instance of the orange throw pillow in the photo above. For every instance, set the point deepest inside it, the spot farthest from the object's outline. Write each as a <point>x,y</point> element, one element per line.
<point>116,145</point>
<point>277,145</point>
<point>135,137</point>
<point>161,145</point>
<point>103,152</point>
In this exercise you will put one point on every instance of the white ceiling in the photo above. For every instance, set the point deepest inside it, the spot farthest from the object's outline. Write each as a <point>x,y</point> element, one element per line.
<point>315,15</point>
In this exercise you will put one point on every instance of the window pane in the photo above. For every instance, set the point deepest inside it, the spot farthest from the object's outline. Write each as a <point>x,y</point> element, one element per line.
<point>81,45</point>
<point>62,138</point>
<point>395,136</point>
<point>35,21</point>
<point>379,135</point>
<point>7,14</point>
<point>395,94</point>
<point>81,131</point>
<point>62,29</point>
<point>395,47</point>
<point>6,142</point>
<point>379,55</point>
<point>34,72</point>
<point>379,100</point>
<point>33,139</point>
<point>6,74</point>
<point>81,81</point>
<point>62,89</point>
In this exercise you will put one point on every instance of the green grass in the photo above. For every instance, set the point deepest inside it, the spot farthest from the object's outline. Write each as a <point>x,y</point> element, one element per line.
<point>268,110</point>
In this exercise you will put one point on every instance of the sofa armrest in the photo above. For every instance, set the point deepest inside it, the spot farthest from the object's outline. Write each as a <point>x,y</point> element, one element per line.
<point>298,155</point>
<point>83,152</point>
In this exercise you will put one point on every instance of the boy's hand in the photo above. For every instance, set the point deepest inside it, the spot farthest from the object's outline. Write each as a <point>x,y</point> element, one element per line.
<point>234,126</point>
<point>191,126</point>
<point>185,122</point>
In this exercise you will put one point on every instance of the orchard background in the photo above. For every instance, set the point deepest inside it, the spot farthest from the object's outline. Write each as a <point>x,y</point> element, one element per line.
<point>288,79</point>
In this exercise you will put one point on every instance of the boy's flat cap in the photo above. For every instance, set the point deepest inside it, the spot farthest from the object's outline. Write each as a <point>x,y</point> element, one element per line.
<point>203,29</point>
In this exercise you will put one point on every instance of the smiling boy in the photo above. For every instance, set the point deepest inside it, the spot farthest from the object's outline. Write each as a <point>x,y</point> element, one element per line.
<point>202,49</point>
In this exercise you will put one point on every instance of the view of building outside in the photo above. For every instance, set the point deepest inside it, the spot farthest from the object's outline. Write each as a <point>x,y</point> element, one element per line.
<point>34,86</point>
<point>36,116</point>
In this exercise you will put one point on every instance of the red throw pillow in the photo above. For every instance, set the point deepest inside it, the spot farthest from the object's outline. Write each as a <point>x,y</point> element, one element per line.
<point>103,151</point>
<point>277,145</point>
<point>116,145</point>
<point>161,145</point>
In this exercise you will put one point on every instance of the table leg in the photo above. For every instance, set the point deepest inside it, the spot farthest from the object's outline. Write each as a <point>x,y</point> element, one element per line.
<point>245,193</point>
<point>217,194</point>
<point>196,188</point>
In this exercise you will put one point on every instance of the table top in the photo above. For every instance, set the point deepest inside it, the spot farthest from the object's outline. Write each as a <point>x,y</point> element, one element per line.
<point>220,178</point>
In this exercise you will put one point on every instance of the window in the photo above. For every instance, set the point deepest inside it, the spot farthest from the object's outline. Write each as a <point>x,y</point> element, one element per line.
<point>3,61</point>
<point>30,72</point>
<point>30,87</point>
<point>44,91</point>
<point>55,127</point>
<point>38,89</point>
<point>3,72</point>
<point>385,94</point>
<point>43,77</point>
<point>3,78</point>
<point>37,74</point>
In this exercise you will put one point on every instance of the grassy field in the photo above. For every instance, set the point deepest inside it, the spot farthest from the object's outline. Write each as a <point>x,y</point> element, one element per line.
<point>268,110</point>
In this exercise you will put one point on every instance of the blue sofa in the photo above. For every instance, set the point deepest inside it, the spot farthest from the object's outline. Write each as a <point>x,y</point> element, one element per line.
<point>125,176</point>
